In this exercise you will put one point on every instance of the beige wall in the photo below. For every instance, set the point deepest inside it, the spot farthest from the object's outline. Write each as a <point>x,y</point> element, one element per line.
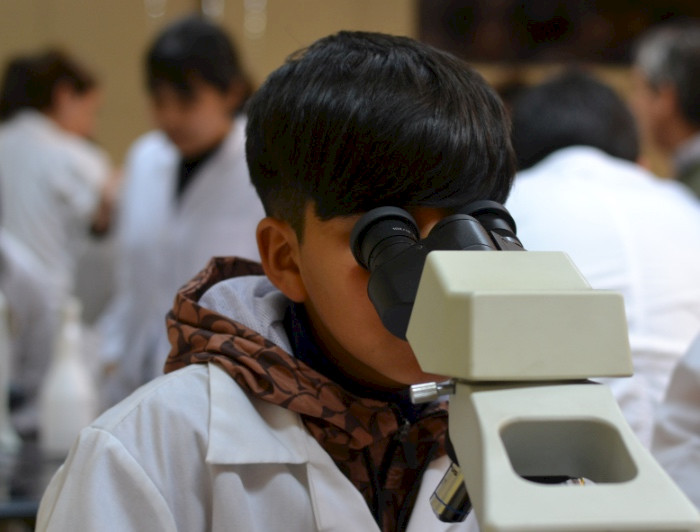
<point>111,35</point>
<point>293,24</point>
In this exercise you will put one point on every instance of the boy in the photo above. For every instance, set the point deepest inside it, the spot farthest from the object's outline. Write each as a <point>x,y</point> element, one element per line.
<point>283,408</point>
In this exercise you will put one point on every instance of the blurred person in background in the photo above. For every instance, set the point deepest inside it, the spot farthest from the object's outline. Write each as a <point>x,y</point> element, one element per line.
<point>56,186</point>
<point>580,190</point>
<point>187,195</point>
<point>666,77</point>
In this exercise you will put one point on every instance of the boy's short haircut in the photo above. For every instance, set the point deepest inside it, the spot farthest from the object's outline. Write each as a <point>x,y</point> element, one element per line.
<point>573,108</point>
<point>359,120</point>
<point>193,49</point>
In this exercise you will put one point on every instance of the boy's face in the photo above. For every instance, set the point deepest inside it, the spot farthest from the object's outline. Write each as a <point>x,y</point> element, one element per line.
<point>195,122</point>
<point>334,292</point>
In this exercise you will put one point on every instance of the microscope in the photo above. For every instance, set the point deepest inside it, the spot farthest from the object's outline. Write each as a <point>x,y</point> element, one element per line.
<point>536,446</point>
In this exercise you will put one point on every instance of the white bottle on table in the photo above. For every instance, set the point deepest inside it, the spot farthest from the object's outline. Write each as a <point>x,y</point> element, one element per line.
<point>68,397</point>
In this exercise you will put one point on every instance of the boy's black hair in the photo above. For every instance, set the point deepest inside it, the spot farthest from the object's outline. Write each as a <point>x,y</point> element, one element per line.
<point>193,49</point>
<point>572,109</point>
<point>29,81</point>
<point>359,120</point>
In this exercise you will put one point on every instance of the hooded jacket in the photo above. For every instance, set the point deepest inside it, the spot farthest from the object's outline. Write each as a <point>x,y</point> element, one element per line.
<point>380,451</point>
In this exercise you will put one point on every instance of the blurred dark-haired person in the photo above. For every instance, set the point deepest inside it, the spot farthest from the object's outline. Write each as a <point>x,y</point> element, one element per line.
<point>666,86</point>
<point>187,194</point>
<point>580,190</point>
<point>55,181</point>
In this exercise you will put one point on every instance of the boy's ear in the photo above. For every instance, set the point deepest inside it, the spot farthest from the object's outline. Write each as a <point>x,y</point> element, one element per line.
<point>279,253</point>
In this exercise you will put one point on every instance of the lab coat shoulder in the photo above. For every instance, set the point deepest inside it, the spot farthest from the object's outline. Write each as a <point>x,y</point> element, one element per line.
<point>145,198</point>
<point>150,145</point>
<point>78,167</point>
<point>149,156</point>
<point>71,166</point>
<point>115,464</point>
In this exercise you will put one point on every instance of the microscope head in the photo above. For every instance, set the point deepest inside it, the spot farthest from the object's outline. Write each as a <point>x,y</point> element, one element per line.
<point>477,315</point>
<point>386,241</point>
<point>531,316</point>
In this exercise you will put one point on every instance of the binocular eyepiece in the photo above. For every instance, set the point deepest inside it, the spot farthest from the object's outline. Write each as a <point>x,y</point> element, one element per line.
<point>386,241</point>
<point>382,234</point>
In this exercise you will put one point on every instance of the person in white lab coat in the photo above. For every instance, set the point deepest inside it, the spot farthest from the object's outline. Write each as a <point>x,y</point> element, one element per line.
<point>579,190</point>
<point>54,180</point>
<point>284,406</point>
<point>187,196</point>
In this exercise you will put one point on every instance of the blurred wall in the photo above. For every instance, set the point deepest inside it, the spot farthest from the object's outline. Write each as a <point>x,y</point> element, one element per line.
<point>110,37</point>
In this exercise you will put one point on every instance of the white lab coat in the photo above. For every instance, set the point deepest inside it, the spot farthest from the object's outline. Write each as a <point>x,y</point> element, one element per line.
<point>51,182</point>
<point>629,231</point>
<point>676,442</point>
<point>34,322</point>
<point>161,243</point>
<point>191,452</point>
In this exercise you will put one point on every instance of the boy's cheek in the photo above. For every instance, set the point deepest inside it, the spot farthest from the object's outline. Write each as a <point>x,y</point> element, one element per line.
<point>359,277</point>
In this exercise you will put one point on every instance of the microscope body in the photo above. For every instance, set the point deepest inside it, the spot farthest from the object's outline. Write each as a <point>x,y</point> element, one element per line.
<point>521,333</point>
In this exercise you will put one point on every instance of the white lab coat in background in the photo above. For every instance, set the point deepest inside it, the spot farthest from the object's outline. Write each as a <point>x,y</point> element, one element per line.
<point>34,322</point>
<point>162,243</point>
<point>50,187</point>
<point>676,442</point>
<point>629,231</point>
<point>190,451</point>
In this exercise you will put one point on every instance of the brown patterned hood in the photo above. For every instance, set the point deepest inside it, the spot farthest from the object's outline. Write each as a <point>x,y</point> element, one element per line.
<point>380,453</point>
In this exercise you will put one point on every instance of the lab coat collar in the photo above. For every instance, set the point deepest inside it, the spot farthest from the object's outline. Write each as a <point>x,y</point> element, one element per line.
<point>262,432</point>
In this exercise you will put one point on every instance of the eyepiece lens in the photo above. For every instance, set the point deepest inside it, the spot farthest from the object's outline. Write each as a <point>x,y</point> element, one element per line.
<point>491,215</point>
<point>380,232</point>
